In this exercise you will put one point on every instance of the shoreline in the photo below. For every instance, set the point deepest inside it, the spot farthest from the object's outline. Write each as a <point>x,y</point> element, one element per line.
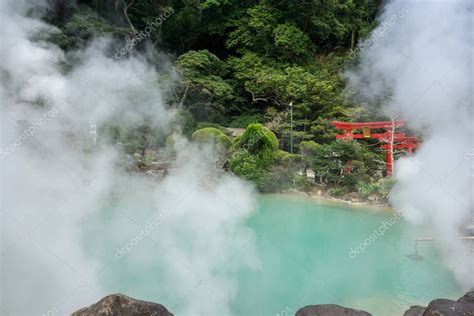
<point>318,194</point>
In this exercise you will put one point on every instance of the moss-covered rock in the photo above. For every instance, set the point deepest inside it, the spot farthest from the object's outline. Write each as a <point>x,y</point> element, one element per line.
<point>258,138</point>
<point>212,134</point>
<point>201,125</point>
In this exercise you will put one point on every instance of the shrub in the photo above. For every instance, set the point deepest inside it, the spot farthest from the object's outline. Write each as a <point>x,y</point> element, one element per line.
<point>294,161</point>
<point>385,186</point>
<point>280,154</point>
<point>201,125</point>
<point>338,191</point>
<point>382,187</point>
<point>256,158</point>
<point>330,161</point>
<point>254,153</point>
<point>257,139</point>
<point>309,148</point>
<point>249,167</point>
<point>211,134</point>
<point>148,159</point>
<point>366,189</point>
<point>186,120</point>
<point>243,121</point>
<point>301,183</point>
<point>169,147</point>
<point>134,137</point>
<point>277,179</point>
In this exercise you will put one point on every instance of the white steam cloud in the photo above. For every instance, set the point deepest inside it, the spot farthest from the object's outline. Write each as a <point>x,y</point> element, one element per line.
<point>423,65</point>
<point>53,180</point>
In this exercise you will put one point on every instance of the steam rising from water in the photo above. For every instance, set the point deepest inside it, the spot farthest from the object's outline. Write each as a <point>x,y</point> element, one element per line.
<point>53,179</point>
<point>425,64</point>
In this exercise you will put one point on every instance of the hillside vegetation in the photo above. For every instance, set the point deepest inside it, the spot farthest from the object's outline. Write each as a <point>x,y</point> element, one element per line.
<point>240,64</point>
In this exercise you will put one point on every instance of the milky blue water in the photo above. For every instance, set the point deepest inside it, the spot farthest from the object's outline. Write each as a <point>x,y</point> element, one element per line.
<point>304,248</point>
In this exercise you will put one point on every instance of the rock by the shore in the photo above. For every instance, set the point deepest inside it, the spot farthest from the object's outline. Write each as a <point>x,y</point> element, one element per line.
<point>119,304</point>
<point>467,298</point>
<point>329,310</point>
<point>443,307</point>
<point>415,310</point>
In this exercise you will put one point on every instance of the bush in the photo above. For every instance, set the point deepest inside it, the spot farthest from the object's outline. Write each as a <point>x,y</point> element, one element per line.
<point>83,25</point>
<point>385,186</point>
<point>211,134</point>
<point>338,191</point>
<point>309,148</point>
<point>135,137</point>
<point>382,188</point>
<point>254,153</point>
<point>248,167</point>
<point>201,125</point>
<point>301,183</point>
<point>366,189</point>
<point>148,159</point>
<point>186,120</point>
<point>330,161</point>
<point>169,147</point>
<point>258,139</point>
<point>277,179</point>
<point>280,154</point>
<point>243,121</point>
<point>294,161</point>
<point>256,158</point>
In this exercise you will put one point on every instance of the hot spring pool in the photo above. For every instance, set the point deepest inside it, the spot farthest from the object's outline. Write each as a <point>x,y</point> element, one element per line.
<point>304,248</point>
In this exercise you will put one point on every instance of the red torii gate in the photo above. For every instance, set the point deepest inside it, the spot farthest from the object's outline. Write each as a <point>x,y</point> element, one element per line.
<point>389,141</point>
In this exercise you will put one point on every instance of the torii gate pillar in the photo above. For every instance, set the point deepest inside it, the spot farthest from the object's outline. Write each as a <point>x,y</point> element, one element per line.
<point>389,162</point>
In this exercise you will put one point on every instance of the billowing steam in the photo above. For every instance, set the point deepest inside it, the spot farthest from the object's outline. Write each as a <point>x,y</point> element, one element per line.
<point>421,69</point>
<point>53,179</point>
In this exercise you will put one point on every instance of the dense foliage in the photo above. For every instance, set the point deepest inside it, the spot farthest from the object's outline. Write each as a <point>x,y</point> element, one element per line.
<point>242,64</point>
<point>212,135</point>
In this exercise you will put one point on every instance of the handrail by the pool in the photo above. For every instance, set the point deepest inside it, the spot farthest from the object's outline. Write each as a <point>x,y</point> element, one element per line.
<point>431,239</point>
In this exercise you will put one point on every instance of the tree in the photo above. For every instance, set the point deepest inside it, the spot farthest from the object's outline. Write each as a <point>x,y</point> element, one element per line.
<point>254,153</point>
<point>204,91</point>
<point>254,32</point>
<point>341,162</point>
<point>292,43</point>
<point>212,135</point>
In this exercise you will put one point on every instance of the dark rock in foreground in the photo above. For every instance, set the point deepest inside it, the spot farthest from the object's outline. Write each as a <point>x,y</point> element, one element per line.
<point>467,298</point>
<point>443,307</point>
<point>329,310</point>
<point>415,310</point>
<point>119,304</point>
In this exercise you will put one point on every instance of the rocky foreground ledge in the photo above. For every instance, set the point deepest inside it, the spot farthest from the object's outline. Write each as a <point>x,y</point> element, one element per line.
<point>122,305</point>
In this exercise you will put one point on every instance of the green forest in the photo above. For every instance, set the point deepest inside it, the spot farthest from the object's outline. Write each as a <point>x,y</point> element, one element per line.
<point>247,65</point>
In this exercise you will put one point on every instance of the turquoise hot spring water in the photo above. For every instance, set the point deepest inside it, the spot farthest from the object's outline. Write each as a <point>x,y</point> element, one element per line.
<point>304,247</point>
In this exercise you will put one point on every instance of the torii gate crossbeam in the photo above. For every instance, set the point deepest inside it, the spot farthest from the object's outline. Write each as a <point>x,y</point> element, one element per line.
<point>390,140</point>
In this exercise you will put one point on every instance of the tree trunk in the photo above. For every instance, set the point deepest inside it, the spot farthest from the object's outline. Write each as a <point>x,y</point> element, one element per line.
<point>125,14</point>
<point>183,98</point>
<point>353,40</point>
<point>392,139</point>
